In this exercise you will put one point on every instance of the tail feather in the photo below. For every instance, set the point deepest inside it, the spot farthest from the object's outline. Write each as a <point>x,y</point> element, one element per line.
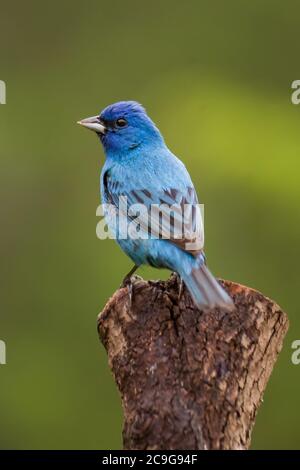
<point>205,289</point>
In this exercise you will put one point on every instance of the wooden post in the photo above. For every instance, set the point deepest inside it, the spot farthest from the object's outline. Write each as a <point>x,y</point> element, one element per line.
<point>190,379</point>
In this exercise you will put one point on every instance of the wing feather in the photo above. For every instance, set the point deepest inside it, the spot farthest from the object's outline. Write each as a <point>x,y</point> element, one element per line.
<point>170,213</point>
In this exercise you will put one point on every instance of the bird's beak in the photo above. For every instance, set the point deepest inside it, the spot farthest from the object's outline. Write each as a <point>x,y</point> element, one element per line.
<point>93,123</point>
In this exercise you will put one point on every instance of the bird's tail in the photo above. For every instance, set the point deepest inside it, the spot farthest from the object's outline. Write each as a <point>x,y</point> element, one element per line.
<point>205,290</point>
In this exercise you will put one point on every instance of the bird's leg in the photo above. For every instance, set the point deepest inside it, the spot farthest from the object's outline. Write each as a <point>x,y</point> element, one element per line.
<point>127,283</point>
<point>127,278</point>
<point>180,287</point>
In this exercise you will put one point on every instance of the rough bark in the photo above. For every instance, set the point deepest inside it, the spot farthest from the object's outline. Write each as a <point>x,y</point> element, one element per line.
<point>190,379</point>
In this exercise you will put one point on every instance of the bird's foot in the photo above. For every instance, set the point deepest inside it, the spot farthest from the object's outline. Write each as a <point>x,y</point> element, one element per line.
<point>127,282</point>
<point>180,285</point>
<point>127,278</point>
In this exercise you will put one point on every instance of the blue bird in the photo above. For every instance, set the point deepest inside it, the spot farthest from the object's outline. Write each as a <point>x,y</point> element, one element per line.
<point>140,167</point>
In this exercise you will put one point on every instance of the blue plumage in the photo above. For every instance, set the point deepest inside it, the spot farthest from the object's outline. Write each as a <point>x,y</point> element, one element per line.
<point>140,166</point>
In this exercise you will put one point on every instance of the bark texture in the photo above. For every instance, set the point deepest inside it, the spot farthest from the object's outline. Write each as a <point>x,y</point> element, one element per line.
<point>190,379</point>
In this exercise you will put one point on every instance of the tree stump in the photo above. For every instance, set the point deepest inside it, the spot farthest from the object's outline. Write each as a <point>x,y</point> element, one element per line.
<point>190,379</point>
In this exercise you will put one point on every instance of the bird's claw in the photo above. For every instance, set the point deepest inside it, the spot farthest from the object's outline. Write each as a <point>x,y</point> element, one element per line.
<point>128,282</point>
<point>180,288</point>
<point>130,293</point>
<point>180,285</point>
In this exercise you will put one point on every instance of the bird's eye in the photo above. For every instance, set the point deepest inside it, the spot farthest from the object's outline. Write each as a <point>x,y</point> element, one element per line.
<point>121,122</point>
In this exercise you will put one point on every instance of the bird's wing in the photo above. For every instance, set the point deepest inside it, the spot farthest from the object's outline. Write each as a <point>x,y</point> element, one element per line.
<point>169,213</point>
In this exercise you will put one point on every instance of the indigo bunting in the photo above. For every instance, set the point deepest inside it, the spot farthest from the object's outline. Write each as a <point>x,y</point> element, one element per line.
<point>140,167</point>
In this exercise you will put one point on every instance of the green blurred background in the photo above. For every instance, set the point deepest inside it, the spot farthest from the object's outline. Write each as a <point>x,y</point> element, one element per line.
<point>216,78</point>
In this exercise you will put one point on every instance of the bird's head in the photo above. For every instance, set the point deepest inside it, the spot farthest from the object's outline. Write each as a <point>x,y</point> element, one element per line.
<point>123,126</point>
